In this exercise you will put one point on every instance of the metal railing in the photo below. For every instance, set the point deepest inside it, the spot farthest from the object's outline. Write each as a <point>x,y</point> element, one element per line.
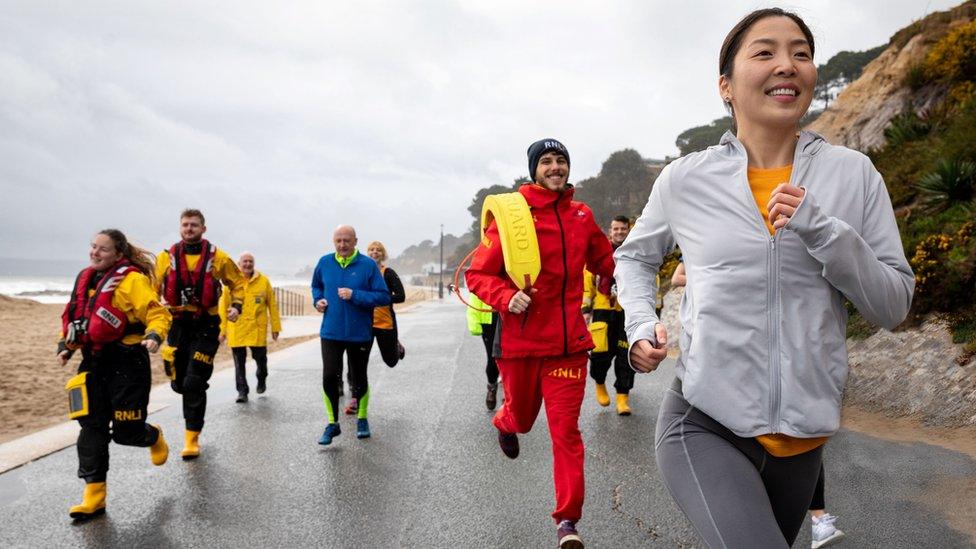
<point>290,303</point>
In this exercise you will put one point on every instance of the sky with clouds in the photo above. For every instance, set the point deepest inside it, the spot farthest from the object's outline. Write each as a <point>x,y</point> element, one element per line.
<point>282,120</point>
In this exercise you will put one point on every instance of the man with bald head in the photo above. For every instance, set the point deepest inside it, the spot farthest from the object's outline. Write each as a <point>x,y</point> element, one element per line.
<point>251,328</point>
<point>346,286</point>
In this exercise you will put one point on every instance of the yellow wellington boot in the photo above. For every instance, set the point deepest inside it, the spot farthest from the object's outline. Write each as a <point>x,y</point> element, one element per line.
<point>159,451</point>
<point>623,408</point>
<point>191,448</point>
<point>92,504</point>
<point>602,396</point>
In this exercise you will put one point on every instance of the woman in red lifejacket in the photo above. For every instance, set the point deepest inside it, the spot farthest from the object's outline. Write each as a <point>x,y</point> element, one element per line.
<point>114,317</point>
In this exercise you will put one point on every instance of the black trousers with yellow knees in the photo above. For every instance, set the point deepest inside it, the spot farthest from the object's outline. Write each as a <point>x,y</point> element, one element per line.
<point>118,385</point>
<point>196,341</point>
<point>332,351</point>
<point>616,353</point>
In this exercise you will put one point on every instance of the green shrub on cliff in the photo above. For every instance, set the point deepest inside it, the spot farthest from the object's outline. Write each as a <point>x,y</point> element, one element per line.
<point>952,182</point>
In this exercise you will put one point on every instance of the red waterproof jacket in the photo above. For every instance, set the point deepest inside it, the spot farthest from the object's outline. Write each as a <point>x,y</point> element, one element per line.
<point>569,239</point>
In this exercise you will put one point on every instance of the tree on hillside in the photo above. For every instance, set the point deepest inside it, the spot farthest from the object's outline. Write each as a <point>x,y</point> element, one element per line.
<point>840,70</point>
<point>700,138</point>
<point>621,188</point>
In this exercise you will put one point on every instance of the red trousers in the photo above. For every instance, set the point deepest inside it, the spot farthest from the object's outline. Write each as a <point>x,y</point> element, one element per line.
<point>560,382</point>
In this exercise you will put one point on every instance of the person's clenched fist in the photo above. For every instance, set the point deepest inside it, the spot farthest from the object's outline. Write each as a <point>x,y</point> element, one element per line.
<point>645,356</point>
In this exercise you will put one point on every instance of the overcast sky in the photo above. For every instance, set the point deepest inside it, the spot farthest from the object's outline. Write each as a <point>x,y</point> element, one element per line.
<point>281,120</point>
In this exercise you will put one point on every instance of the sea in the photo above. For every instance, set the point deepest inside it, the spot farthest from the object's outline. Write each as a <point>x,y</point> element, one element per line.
<point>50,281</point>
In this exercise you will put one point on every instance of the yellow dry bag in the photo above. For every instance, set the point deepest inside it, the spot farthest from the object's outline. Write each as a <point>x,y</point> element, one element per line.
<point>516,231</point>
<point>601,339</point>
<point>77,396</point>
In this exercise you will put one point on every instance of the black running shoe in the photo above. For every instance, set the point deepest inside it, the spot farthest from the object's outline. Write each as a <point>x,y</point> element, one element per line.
<point>509,443</point>
<point>568,536</point>
<point>491,399</point>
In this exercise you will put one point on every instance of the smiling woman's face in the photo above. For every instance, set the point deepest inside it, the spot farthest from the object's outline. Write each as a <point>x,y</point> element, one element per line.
<point>773,76</point>
<point>102,253</point>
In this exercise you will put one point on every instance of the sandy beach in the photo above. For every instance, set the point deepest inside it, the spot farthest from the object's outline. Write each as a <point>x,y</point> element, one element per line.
<point>32,382</point>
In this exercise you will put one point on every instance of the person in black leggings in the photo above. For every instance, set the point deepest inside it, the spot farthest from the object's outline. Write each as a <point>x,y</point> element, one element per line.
<point>346,287</point>
<point>384,318</point>
<point>482,321</point>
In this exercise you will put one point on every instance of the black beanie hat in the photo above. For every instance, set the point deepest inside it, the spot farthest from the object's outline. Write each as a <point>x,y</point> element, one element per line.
<point>541,147</point>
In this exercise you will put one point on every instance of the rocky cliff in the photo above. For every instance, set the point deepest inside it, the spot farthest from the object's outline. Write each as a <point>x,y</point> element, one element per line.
<point>860,114</point>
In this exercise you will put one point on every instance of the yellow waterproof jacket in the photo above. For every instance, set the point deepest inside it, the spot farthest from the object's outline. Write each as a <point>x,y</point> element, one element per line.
<point>260,305</point>
<point>475,317</point>
<point>593,299</point>
<point>224,269</point>
<point>139,300</point>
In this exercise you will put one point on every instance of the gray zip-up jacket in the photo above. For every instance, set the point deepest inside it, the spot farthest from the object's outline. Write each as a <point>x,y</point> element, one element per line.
<point>763,347</point>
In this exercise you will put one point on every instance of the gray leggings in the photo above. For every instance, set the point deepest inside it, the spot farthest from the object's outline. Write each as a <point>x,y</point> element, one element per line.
<point>734,493</point>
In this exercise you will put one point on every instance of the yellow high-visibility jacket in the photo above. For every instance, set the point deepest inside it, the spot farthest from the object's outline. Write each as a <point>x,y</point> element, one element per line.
<point>593,299</point>
<point>260,306</point>
<point>477,318</point>
<point>224,269</point>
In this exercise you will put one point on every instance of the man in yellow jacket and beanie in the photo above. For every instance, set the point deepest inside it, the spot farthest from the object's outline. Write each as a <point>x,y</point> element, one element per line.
<point>251,328</point>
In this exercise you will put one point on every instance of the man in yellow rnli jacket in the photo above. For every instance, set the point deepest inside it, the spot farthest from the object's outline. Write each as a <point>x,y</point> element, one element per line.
<point>251,329</point>
<point>189,277</point>
<point>607,329</point>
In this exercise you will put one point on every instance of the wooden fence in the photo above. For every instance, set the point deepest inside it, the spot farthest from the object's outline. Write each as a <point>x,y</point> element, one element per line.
<point>290,303</point>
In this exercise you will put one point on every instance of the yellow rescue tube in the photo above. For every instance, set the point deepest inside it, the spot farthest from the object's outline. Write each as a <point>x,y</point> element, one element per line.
<point>516,230</point>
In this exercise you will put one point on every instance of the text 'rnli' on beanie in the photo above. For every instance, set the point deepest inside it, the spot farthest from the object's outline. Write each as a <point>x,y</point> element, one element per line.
<point>541,147</point>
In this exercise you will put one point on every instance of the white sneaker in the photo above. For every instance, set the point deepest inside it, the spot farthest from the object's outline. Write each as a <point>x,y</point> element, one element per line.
<point>824,531</point>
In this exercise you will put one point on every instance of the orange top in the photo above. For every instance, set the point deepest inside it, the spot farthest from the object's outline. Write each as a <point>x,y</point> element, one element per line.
<point>780,445</point>
<point>762,182</point>
<point>382,316</point>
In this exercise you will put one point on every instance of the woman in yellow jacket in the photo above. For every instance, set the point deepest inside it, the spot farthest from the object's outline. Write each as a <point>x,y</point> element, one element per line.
<point>115,318</point>
<point>251,328</point>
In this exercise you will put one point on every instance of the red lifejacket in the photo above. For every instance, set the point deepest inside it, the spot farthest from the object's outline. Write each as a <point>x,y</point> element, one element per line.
<point>205,288</point>
<point>105,322</point>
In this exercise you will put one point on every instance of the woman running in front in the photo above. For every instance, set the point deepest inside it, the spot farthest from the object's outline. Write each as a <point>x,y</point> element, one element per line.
<point>114,317</point>
<point>777,228</point>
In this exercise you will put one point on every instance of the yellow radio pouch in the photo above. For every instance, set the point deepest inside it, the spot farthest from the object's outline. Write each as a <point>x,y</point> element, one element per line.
<point>77,396</point>
<point>516,231</point>
<point>168,354</point>
<point>598,330</point>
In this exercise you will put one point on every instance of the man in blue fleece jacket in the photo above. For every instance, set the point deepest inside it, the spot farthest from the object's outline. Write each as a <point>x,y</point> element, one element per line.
<point>346,287</point>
